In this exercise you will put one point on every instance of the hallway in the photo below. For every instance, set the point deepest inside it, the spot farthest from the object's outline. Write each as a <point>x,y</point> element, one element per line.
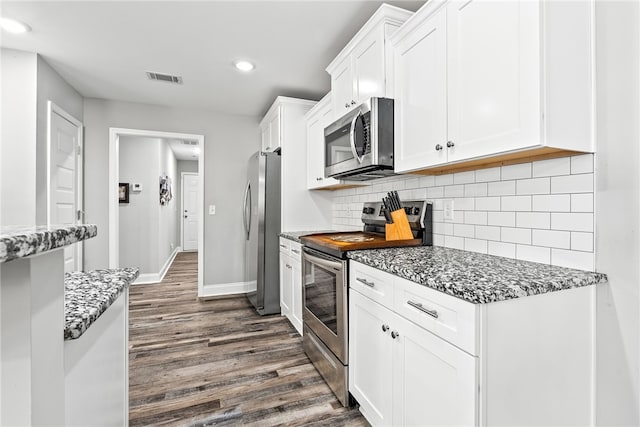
<point>217,362</point>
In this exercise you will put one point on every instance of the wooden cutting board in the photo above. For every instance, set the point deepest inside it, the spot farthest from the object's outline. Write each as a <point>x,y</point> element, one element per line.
<point>328,240</point>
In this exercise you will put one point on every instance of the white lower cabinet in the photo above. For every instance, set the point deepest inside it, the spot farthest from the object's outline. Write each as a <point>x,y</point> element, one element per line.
<point>291,282</point>
<point>420,357</point>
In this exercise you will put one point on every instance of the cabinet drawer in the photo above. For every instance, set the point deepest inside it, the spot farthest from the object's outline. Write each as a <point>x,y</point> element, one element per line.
<point>372,283</point>
<point>285,246</point>
<point>450,318</point>
<point>295,249</point>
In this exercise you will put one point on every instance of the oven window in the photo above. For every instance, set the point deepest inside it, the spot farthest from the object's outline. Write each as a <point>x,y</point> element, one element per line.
<point>320,294</point>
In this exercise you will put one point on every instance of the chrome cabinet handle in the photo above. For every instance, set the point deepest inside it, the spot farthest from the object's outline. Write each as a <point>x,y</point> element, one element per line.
<point>438,147</point>
<point>346,105</point>
<point>395,334</point>
<point>318,179</point>
<point>288,266</point>
<point>417,305</point>
<point>385,328</point>
<point>295,251</point>
<point>283,246</point>
<point>365,282</point>
<point>353,102</point>
<point>450,144</point>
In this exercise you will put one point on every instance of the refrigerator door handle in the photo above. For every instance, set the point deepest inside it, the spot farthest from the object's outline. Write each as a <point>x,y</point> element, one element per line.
<point>247,201</point>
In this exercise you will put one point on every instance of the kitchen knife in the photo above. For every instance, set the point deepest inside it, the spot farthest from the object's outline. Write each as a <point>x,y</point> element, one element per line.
<point>387,215</point>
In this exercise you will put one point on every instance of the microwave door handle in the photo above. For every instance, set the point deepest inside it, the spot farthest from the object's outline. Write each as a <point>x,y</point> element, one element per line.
<point>352,138</point>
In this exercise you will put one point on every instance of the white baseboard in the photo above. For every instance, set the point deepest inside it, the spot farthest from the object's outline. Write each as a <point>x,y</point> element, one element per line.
<point>147,278</point>
<point>223,289</point>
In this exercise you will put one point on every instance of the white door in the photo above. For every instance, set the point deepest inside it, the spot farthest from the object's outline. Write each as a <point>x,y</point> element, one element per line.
<point>494,76</point>
<point>434,382</point>
<point>420,72</point>
<point>371,364</point>
<point>190,212</point>
<point>64,187</point>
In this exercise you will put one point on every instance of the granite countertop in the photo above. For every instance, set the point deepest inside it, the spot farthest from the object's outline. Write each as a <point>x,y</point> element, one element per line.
<point>23,241</point>
<point>295,235</point>
<point>475,277</point>
<point>88,294</point>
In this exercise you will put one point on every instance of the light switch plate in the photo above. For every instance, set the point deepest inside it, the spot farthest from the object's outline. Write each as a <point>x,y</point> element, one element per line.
<point>212,209</point>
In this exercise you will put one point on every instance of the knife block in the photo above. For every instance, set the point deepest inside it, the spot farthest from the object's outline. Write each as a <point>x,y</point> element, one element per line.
<point>400,229</point>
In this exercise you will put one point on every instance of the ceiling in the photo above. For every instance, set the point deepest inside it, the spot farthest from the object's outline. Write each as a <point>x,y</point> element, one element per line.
<point>184,149</point>
<point>104,48</point>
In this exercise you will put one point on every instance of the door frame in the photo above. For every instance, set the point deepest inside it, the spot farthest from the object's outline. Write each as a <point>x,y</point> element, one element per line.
<point>114,174</point>
<point>182,174</point>
<point>52,108</point>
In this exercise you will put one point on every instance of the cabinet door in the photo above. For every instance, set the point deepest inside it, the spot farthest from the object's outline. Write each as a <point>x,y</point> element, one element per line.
<point>420,72</point>
<point>434,383</point>
<point>265,134</point>
<point>274,131</point>
<point>315,149</point>
<point>286,285</point>
<point>369,67</point>
<point>494,77</point>
<point>370,358</point>
<point>296,295</point>
<point>342,88</point>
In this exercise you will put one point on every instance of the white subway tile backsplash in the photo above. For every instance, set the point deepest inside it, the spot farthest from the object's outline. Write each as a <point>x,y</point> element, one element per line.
<point>522,170</point>
<point>475,217</point>
<point>552,203</point>
<point>501,188</point>
<point>551,238</point>
<point>533,186</point>
<point>582,164</point>
<point>475,245</point>
<point>516,203</point>
<point>475,190</point>
<point>454,191</point>
<point>572,259</point>
<point>540,211</point>
<point>572,184</point>
<point>464,177</point>
<point>516,235</point>
<point>552,167</point>
<point>572,221</point>
<point>454,242</point>
<point>533,220</point>
<point>487,232</point>
<point>581,241</point>
<point>533,253</point>
<point>486,175</point>
<point>444,179</point>
<point>582,202</point>
<point>503,219</point>
<point>502,249</point>
<point>464,230</point>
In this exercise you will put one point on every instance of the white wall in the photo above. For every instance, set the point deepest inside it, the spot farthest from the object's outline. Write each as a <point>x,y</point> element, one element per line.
<point>540,211</point>
<point>618,212</point>
<point>167,229</point>
<point>229,141</point>
<point>18,132</point>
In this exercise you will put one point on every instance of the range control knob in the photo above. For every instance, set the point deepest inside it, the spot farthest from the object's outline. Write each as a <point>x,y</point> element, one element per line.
<point>407,210</point>
<point>416,210</point>
<point>368,211</point>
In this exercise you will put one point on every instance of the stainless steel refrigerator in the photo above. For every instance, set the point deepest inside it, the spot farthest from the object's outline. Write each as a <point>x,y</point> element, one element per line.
<point>262,228</point>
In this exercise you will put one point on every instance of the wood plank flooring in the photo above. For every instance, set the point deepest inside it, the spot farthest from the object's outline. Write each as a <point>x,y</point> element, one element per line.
<point>217,362</point>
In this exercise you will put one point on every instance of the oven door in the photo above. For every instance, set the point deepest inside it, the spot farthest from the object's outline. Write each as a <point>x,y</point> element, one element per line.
<point>324,293</point>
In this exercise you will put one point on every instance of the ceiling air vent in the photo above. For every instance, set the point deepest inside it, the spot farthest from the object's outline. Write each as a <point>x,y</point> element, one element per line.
<point>188,142</point>
<point>164,77</point>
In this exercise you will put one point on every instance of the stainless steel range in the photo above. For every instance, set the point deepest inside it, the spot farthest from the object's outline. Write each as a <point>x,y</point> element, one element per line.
<point>325,286</point>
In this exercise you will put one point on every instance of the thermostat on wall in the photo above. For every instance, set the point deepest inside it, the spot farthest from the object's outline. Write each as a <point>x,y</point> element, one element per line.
<point>136,187</point>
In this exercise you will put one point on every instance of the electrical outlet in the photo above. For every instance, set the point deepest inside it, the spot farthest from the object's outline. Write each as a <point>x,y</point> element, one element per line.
<point>212,209</point>
<point>447,205</point>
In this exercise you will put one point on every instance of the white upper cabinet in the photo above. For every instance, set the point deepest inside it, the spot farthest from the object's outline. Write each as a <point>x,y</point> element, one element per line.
<point>320,116</point>
<point>270,129</point>
<point>363,68</point>
<point>480,79</point>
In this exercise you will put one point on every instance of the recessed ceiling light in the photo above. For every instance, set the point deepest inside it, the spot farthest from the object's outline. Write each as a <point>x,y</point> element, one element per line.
<point>13,26</point>
<point>244,65</point>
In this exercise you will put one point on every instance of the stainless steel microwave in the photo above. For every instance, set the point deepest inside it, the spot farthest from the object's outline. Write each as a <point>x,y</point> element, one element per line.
<point>359,145</point>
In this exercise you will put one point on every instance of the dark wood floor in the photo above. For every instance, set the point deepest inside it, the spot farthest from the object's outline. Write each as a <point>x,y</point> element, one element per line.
<point>218,363</point>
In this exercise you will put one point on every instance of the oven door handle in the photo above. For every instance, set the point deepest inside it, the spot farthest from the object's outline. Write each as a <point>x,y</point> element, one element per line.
<point>352,137</point>
<point>334,265</point>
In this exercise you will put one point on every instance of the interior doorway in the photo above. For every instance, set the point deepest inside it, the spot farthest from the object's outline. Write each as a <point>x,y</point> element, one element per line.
<point>162,188</point>
<point>190,212</point>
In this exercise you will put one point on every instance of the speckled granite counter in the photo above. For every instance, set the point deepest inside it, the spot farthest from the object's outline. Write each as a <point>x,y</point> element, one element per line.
<point>295,235</point>
<point>88,294</point>
<point>23,241</point>
<point>474,277</point>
